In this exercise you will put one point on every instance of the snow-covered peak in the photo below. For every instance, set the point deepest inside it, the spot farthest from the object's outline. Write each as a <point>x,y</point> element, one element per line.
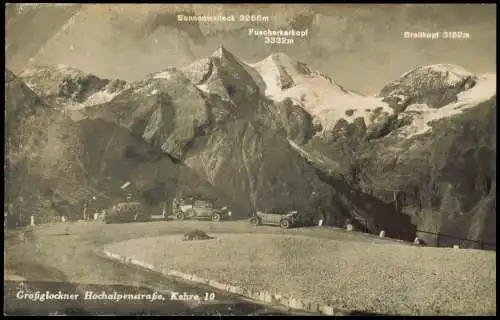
<point>198,71</point>
<point>280,59</point>
<point>223,74</point>
<point>70,87</point>
<point>59,70</point>
<point>221,52</point>
<point>450,73</point>
<point>435,85</point>
<point>224,58</point>
<point>163,74</point>
<point>318,94</point>
<point>422,114</point>
<point>280,72</point>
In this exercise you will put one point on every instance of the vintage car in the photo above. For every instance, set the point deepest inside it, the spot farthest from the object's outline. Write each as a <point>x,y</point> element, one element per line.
<point>127,212</point>
<point>197,209</point>
<point>283,219</point>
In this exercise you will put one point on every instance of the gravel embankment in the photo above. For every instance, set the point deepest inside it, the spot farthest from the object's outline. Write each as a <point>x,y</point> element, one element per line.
<point>384,278</point>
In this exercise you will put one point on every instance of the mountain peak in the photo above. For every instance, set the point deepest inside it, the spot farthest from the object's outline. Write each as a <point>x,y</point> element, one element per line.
<point>279,55</point>
<point>435,85</point>
<point>442,68</point>
<point>221,52</point>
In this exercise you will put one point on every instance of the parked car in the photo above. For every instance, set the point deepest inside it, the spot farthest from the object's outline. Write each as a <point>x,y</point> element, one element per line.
<point>283,219</point>
<point>199,209</point>
<point>127,212</point>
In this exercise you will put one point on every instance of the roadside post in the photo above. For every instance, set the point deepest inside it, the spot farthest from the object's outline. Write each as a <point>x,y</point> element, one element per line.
<point>164,211</point>
<point>84,211</point>
<point>20,211</point>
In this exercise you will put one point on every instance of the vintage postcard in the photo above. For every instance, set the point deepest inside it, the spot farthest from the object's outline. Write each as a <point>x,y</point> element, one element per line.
<point>250,159</point>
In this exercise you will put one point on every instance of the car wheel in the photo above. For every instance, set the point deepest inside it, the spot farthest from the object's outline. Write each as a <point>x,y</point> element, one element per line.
<point>141,218</point>
<point>216,217</point>
<point>190,213</point>
<point>285,224</point>
<point>180,216</point>
<point>254,220</point>
<point>137,217</point>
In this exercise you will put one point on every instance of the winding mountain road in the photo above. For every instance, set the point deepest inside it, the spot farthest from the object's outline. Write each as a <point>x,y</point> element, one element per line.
<point>61,257</point>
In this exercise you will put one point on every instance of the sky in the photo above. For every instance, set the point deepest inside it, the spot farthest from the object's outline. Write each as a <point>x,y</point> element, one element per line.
<point>360,46</point>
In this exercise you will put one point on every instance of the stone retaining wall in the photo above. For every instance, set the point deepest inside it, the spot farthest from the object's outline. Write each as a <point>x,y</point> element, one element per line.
<point>264,296</point>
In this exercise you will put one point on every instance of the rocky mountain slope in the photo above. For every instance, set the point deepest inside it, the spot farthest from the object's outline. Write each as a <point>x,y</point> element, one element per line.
<point>270,134</point>
<point>54,164</point>
<point>427,141</point>
<point>64,85</point>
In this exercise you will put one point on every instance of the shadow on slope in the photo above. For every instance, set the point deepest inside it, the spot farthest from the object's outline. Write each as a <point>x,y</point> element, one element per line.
<point>370,213</point>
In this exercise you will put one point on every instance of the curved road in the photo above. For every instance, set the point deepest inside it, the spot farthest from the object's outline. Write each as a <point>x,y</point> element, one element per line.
<point>61,257</point>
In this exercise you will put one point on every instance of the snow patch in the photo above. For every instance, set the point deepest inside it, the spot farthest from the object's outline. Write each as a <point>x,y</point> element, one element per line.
<point>97,98</point>
<point>162,75</point>
<point>269,73</point>
<point>100,97</point>
<point>203,87</point>
<point>314,156</point>
<point>66,68</point>
<point>454,74</point>
<point>484,90</point>
<point>297,148</point>
<point>317,94</point>
<point>330,105</point>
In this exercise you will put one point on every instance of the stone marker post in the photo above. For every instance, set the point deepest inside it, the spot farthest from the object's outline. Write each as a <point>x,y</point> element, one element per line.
<point>84,211</point>
<point>32,221</point>
<point>164,210</point>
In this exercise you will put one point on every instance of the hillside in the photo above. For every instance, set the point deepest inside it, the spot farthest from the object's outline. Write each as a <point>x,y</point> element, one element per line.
<point>60,163</point>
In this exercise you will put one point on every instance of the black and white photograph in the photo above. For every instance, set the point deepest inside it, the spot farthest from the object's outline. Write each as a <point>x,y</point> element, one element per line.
<point>219,159</point>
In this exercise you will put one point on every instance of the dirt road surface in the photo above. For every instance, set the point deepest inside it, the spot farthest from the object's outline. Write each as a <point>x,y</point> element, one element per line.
<point>61,257</point>
<point>51,256</point>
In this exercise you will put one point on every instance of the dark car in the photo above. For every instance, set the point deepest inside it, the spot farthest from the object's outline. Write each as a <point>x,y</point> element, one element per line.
<point>127,212</point>
<point>197,209</point>
<point>283,219</point>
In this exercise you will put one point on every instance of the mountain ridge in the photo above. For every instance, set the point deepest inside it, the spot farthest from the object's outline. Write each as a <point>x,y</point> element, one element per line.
<point>282,138</point>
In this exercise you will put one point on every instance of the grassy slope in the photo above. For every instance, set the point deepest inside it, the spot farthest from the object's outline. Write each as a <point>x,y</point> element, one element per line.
<point>387,278</point>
